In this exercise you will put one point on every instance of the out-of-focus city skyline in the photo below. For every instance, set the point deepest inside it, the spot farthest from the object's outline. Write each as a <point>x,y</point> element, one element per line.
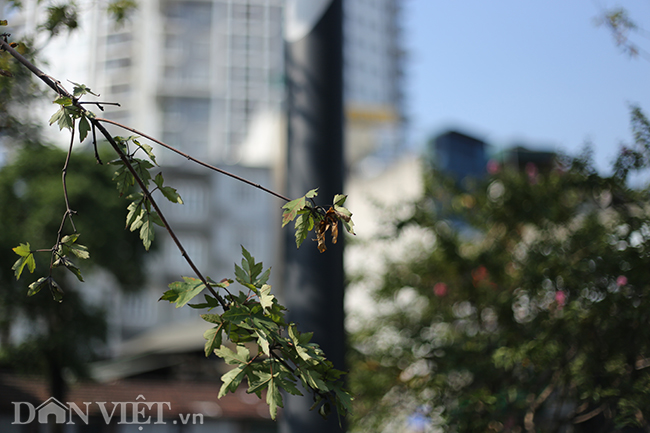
<point>538,72</point>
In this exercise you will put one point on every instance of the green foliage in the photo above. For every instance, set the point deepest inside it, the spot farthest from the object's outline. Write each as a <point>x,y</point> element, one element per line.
<point>61,16</point>
<point>283,357</point>
<point>281,361</point>
<point>307,216</point>
<point>63,335</point>
<point>529,312</point>
<point>140,215</point>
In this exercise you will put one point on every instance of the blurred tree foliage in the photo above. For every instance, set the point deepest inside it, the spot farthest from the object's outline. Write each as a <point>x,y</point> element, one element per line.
<point>59,336</point>
<point>530,312</point>
<point>37,335</point>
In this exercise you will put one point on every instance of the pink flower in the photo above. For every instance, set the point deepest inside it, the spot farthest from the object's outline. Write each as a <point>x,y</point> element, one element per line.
<point>440,289</point>
<point>560,298</point>
<point>493,167</point>
<point>532,172</point>
<point>621,280</point>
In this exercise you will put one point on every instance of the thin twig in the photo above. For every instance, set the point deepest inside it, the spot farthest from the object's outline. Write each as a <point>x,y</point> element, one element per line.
<point>198,161</point>
<point>64,173</point>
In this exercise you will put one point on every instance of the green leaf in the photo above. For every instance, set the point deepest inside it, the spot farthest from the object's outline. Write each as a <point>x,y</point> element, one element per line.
<point>3,23</point>
<point>313,379</point>
<point>285,382</point>
<point>181,293</point>
<point>214,339</point>
<point>135,212</point>
<point>171,194</point>
<point>212,318</point>
<point>147,233</point>
<point>123,178</point>
<point>36,286</point>
<point>232,379</point>
<point>266,298</point>
<point>69,265</point>
<point>343,400</point>
<point>84,128</point>
<point>56,116</point>
<point>263,278</point>
<point>26,259</point>
<point>273,398</point>
<point>80,90</point>
<point>56,291</point>
<point>262,381</point>
<point>339,199</point>
<point>237,314</point>
<point>142,167</point>
<point>210,303</point>
<point>63,101</point>
<point>242,356</point>
<point>66,120</point>
<point>263,342</point>
<point>147,149</point>
<point>304,224</point>
<point>292,208</point>
<point>81,251</point>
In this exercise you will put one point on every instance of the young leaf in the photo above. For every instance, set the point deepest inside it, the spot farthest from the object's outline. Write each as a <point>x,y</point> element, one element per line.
<point>81,89</point>
<point>147,149</point>
<point>181,293</point>
<point>26,259</point>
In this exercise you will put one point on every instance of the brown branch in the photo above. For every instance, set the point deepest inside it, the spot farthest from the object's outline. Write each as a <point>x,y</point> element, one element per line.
<point>59,89</point>
<point>198,161</point>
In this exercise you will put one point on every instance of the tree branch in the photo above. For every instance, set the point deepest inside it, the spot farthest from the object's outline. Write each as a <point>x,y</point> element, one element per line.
<point>198,161</point>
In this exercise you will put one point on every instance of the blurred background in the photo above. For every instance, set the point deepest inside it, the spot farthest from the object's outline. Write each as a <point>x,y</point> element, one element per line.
<point>428,85</point>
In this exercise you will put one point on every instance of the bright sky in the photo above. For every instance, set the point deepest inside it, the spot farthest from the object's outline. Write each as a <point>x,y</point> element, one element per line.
<point>537,71</point>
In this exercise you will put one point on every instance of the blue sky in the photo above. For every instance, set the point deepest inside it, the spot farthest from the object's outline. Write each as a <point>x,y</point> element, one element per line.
<point>539,72</point>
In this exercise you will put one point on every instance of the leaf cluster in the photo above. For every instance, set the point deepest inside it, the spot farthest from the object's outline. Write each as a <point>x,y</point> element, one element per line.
<point>140,215</point>
<point>271,354</point>
<point>307,216</point>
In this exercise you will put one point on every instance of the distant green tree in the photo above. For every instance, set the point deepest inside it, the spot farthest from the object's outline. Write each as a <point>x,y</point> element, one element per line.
<point>530,312</point>
<point>61,336</point>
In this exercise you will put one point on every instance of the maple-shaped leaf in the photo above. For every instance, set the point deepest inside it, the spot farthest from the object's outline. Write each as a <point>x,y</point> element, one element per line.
<point>26,259</point>
<point>292,208</point>
<point>181,292</point>
<point>214,339</point>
